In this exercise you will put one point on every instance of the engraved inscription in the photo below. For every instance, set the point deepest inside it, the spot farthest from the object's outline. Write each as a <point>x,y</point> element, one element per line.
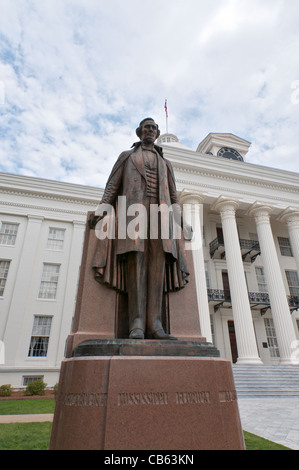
<point>227,395</point>
<point>84,399</point>
<point>143,398</point>
<point>183,398</point>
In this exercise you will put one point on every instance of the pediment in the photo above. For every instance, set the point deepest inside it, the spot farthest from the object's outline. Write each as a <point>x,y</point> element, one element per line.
<point>214,142</point>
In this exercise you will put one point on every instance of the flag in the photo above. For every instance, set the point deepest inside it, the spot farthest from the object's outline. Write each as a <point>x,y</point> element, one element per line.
<point>165,107</point>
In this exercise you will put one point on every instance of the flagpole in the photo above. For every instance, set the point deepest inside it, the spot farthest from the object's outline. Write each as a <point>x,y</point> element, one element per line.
<point>166,111</point>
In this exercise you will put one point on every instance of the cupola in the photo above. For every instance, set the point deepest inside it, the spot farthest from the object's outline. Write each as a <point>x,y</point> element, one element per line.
<point>227,146</point>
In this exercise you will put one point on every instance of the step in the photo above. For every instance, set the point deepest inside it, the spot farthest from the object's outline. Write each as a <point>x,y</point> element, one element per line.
<point>266,381</point>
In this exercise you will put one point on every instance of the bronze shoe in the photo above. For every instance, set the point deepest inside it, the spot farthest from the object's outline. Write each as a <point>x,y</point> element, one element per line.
<point>137,333</point>
<point>160,334</point>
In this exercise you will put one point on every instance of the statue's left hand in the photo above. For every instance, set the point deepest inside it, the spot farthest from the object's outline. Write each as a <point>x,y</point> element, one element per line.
<point>93,220</point>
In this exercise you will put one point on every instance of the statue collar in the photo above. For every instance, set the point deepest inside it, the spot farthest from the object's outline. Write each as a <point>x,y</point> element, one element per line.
<point>159,149</point>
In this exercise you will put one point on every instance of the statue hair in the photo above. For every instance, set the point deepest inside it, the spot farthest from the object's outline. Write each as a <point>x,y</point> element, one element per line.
<point>138,130</point>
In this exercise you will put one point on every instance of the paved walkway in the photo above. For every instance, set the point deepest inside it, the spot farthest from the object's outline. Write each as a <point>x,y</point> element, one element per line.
<point>37,418</point>
<point>275,419</point>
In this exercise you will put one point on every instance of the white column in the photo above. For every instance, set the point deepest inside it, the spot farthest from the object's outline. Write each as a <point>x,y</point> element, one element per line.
<point>14,329</point>
<point>245,335</point>
<point>193,215</point>
<point>284,328</point>
<point>291,218</point>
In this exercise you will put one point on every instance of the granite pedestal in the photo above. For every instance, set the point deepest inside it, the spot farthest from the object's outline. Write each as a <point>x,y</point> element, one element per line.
<point>120,394</point>
<point>115,396</point>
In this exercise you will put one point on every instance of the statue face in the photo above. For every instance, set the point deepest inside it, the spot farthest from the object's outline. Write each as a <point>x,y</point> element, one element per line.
<point>149,132</point>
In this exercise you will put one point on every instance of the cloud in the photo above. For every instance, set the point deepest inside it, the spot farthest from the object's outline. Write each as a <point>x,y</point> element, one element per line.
<point>79,76</point>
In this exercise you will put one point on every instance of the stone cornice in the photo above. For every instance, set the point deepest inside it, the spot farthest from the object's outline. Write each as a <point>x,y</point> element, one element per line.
<point>240,178</point>
<point>53,197</point>
<point>45,196</point>
<point>248,197</point>
<point>191,162</point>
<point>48,208</point>
<point>25,186</point>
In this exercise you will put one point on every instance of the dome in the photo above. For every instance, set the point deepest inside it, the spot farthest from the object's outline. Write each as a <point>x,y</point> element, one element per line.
<point>171,140</point>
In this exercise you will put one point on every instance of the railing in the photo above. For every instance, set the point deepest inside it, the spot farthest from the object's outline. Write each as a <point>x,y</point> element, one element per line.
<point>216,295</point>
<point>255,298</point>
<point>259,298</point>
<point>249,244</point>
<point>215,244</point>
<point>252,246</point>
<point>293,302</point>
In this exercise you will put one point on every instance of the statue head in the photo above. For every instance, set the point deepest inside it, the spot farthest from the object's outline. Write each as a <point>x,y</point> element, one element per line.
<point>148,129</point>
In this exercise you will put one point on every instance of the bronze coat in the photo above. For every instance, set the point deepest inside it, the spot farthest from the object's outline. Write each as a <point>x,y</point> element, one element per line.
<point>128,179</point>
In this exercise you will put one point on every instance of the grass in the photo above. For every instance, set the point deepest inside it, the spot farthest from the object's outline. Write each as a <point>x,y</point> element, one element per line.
<point>27,407</point>
<point>254,442</point>
<point>36,436</point>
<point>25,436</point>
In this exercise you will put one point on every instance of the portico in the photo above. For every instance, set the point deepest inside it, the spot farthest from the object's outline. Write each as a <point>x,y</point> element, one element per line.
<point>236,257</point>
<point>243,212</point>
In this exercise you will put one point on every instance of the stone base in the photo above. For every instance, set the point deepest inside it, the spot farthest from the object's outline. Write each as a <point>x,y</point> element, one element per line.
<point>131,347</point>
<point>146,403</point>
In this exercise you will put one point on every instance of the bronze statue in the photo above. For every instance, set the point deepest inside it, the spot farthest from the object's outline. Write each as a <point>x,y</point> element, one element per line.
<point>145,264</point>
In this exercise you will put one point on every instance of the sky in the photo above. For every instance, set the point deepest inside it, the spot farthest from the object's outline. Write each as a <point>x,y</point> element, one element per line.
<point>77,77</point>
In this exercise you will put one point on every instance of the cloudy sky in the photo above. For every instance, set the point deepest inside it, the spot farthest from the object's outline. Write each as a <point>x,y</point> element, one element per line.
<point>77,76</point>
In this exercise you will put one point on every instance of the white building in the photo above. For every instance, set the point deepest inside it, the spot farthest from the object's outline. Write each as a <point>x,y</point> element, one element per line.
<point>246,262</point>
<point>42,226</point>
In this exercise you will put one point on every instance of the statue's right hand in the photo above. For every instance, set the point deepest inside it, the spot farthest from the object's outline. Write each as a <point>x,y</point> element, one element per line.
<point>188,232</point>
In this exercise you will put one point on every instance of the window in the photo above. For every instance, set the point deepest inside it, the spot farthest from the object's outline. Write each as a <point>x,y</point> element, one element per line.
<point>4,267</point>
<point>55,239</point>
<point>293,282</point>
<point>28,379</point>
<point>48,286</point>
<point>8,233</point>
<point>285,246</point>
<point>271,337</point>
<point>261,281</point>
<point>40,336</point>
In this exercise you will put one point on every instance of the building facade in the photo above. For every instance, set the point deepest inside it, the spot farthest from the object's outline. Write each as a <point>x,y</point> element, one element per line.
<point>245,252</point>
<point>249,248</point>
<point>42,226</point>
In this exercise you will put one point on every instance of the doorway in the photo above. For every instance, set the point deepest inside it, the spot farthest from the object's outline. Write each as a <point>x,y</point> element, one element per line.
<point>220,235</point>
<point>233,341</point>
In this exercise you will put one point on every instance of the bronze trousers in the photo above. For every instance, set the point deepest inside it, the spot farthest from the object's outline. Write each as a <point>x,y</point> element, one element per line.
<point>145,283</point>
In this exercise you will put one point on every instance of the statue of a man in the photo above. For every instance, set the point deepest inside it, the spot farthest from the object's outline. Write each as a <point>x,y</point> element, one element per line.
<point>148,265</point>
